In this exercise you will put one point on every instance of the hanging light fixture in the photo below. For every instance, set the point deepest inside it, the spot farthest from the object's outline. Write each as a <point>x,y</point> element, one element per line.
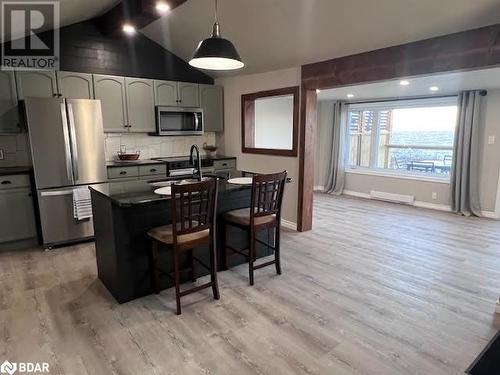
<point>216,53</point>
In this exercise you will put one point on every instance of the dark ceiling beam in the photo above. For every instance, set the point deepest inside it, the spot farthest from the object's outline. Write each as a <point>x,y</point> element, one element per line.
<point>140,13</point>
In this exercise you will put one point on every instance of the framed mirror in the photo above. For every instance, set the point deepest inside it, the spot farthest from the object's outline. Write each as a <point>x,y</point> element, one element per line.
<point>270,121</point>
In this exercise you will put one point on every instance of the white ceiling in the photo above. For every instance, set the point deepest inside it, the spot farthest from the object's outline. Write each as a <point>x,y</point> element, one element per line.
<point>448,84</point>
<point>276,34</point>
<point>73,11</point>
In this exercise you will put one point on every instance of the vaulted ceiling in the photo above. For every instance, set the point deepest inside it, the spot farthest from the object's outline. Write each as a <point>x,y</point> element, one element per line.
<point>275,34</point>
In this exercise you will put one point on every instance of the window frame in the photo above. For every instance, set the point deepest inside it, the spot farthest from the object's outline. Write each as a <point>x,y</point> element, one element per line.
<point>248,121</point>
<point>391,105</point>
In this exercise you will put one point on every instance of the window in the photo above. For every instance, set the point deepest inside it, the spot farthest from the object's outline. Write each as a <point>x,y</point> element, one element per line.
<point>270,122</point>
<point>408,136</point>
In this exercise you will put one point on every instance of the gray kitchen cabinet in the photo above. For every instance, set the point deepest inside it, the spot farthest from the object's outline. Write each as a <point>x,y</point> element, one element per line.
<point>188,94</point>
<point>9,111</point>
<point>73,85</point>
<point>212,102</point>
<point>41,84</point>
<point>140,104</point>
<point>112,93</point>
<point>17,219</point>
<point>165,93</point>
<point>173,94</point>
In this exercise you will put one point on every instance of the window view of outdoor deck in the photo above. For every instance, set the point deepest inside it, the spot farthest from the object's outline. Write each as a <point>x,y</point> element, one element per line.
<point>411,137</point>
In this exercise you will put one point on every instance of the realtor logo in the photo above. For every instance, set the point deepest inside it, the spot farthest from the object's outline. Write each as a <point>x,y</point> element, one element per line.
<point>8,368</point>
<point>30,35</point>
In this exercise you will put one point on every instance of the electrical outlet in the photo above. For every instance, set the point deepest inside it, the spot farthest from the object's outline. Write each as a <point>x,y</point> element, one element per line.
<point>491,140</point>
<point>2,157</point>
<point>434,195</point>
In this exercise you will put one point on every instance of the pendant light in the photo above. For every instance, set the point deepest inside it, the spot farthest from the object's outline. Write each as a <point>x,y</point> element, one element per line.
<point>216,53</point>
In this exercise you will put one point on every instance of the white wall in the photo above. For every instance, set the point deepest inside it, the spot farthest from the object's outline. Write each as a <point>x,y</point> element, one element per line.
<point>489,168</point>
<point>234,87</point>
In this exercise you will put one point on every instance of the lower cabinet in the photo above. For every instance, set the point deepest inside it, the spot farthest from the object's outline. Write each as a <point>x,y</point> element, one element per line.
<point>17,215</point>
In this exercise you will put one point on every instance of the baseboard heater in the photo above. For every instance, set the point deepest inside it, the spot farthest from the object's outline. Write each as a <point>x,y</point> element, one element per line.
<point>394,198</point>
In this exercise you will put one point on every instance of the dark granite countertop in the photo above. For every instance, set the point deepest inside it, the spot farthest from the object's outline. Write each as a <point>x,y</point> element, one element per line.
<point>132,163</point>
<point>138,192</point>
<point>14,170</point>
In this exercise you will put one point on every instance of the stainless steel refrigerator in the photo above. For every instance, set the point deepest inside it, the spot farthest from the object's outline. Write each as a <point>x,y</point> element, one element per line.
<point>67,147</point>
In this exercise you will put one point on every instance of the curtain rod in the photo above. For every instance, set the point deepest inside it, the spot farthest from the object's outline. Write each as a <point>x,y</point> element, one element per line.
<point>368,101</point>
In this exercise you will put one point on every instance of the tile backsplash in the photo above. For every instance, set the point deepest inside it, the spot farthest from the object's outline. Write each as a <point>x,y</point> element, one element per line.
<point>153,147</point>
<point>15,152</point>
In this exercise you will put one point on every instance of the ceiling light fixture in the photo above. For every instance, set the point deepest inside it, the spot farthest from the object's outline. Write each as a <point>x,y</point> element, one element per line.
<point>350,96</point>
<point>162,7</point>
<point>434,88</point>
<point>216,53</point>
<point>404,82</point>
<point>128,29</point>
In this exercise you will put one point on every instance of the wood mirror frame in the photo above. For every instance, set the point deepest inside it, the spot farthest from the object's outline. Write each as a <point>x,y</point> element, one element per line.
<point>248,120</point>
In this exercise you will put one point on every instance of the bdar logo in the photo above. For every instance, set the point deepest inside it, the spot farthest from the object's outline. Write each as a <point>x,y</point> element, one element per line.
<point>8,368</point>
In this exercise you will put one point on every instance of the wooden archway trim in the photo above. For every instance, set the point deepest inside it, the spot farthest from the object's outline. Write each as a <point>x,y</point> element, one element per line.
<point>473,49</point>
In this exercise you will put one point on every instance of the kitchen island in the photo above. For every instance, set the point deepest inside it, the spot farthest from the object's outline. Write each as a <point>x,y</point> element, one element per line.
<point>124,212</point>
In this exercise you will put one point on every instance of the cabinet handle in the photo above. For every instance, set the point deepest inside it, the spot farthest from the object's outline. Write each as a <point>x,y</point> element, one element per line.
<point>224,164</point>
<point>123,173</point>
<point>6,182</point>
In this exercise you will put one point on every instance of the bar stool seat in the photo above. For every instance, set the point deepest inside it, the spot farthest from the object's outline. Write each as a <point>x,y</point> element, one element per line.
<point>242,217</point>
<point>165,234</point>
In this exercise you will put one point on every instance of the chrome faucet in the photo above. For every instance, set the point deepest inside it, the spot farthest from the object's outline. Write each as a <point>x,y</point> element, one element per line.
<point>198,159</point>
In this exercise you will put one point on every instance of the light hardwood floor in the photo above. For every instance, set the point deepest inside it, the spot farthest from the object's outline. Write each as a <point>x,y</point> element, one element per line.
<point>375,288</point>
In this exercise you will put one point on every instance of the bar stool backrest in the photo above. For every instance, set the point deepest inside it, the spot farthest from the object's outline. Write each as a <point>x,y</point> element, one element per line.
<point>267,195</point>
<point>193,207</point>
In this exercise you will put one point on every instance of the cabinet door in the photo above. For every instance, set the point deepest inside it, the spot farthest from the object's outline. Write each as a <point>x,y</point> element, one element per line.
<point>165,93</point>
<point>17,216</point>
<point>110,90</point>
<point>75,85</point>
<point>140,104</point>
<point>41,84</point>
<point>212,102</point>
<point>188,94</point>
<point>9,112</point>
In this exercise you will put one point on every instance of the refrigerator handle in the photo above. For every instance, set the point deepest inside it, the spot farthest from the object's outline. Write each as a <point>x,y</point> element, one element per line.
<point>74,144</point>
<point>67,146</point>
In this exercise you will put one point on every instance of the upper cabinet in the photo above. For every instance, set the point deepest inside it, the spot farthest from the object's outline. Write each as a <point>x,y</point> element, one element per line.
<point>188,94</point>
<point>37,84</point>
<point>9,112</point>
<point>75,85</point>
<point>111,91</point>
<point>212,102</point>
<point>181,94</point>
<point>165,93</point>
<point>140,104</point>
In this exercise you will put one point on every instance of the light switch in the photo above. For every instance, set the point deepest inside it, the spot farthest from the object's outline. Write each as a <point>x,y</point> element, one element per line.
<point>1,154</point>
<point>491,140</point>
<point>434,195</point>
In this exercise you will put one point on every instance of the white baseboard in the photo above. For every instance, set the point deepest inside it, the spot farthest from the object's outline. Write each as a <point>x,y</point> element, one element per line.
<point>318,188</point>
<point>288,224</point>
<point>356,194</point>
<point>489,215</point>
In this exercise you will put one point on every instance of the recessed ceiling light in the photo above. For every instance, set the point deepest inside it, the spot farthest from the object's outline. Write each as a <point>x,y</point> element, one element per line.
<point>162,7</point>
<point>350,96</point>
<point>318,91</point>
<point>404,82</point>
<point>434,88</point>
<point>128,29</point>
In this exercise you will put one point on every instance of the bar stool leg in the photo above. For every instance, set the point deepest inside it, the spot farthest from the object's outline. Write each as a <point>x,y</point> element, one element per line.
<point>155,273</point>
<point>177,282</point>
<point>251,256</point>
<point>277,251</point>
<point>213,269</point>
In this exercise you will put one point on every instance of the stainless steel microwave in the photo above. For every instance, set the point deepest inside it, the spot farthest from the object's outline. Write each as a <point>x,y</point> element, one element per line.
<point>179,121</point>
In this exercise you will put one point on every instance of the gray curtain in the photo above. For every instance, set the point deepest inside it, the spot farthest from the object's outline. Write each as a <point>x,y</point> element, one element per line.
<point>336,167</point>
<point>464,177</point>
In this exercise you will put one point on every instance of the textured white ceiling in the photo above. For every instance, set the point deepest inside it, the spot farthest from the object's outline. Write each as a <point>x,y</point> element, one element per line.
<point>276,34</point>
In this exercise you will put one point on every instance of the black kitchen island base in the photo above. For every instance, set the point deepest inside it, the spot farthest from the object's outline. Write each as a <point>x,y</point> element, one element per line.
<point>124,212</point>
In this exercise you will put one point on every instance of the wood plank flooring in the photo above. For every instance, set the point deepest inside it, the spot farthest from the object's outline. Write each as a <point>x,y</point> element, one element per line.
<point>375,288</point>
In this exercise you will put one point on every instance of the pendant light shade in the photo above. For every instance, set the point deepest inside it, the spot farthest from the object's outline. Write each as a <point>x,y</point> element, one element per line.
<point>216,53</point>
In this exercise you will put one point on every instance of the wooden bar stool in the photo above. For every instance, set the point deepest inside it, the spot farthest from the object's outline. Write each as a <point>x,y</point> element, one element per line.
<point>264,213</point>
<point>193,224</point>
